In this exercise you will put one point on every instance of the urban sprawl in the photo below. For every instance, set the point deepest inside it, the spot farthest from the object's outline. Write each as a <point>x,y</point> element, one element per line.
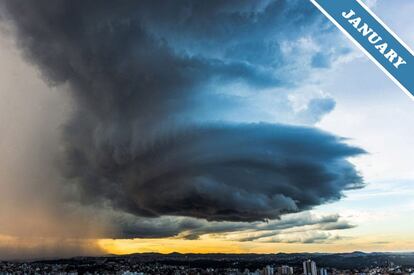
<point>129,266</point>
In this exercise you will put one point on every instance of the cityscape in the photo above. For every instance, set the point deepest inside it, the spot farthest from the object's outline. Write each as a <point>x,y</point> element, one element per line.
<point>244,264</point>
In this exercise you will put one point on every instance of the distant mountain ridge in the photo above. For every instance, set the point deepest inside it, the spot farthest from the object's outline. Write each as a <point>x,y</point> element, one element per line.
<point>351,260</point>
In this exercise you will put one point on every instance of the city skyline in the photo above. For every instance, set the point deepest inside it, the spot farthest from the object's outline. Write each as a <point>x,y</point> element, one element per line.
<point>215,264</point>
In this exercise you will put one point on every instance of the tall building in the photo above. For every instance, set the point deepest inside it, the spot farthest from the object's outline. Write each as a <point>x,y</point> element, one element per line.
<point>309,268</point>
<point>268,270</point>
<point>323,271</point>
<point>285,270</point>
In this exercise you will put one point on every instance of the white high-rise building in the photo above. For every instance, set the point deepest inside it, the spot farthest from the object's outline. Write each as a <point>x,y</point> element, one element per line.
<point>285,270</point>
<point>323,271</point>
<point>309,268</point>
<point>268,270</point>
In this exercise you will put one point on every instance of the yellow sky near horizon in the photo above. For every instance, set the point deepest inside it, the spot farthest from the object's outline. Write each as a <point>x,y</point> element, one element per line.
<point>68,247</point>
<point>208,245</point>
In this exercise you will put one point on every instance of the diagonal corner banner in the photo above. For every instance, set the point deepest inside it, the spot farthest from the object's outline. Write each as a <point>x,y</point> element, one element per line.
<point>374,38</point>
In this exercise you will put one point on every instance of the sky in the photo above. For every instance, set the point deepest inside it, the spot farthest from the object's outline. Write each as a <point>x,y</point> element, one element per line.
<point>198,127</point>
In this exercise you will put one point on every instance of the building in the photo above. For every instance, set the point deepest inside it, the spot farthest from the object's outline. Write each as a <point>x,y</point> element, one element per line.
<point>323,271</point>
<point>285,270</point>
<point>268,270</point>
<point>309,268</point>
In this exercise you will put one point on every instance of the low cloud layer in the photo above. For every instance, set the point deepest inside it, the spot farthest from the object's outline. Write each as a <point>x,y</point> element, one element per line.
<point>158,89</point>
<point>289,226</point>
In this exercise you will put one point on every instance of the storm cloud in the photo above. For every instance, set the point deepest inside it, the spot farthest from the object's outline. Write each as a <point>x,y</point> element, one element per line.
<point>139,72</point>
<point>221,172</point>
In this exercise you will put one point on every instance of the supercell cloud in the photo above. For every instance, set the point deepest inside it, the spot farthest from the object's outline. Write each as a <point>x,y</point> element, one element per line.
<point>140,71</point>
<point>236,172</point>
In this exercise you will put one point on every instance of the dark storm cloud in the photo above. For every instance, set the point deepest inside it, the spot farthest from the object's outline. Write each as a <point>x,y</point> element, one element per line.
<point>135,70</point>
<point>245,172</point>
